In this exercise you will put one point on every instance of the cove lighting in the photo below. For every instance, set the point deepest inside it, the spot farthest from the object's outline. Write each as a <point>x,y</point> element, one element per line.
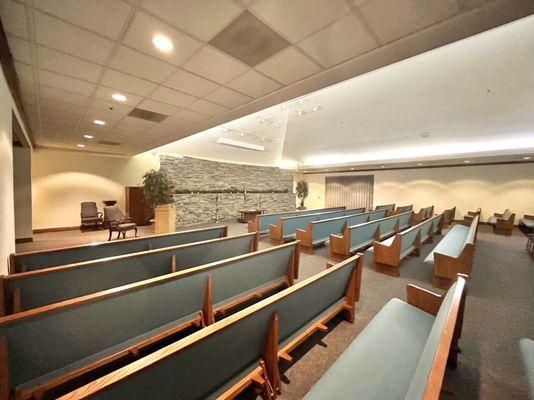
<point>99,122</point>
<point>162,43</point>
<point>240,144</point>
<point>118,97</point>
<point>88,136</point>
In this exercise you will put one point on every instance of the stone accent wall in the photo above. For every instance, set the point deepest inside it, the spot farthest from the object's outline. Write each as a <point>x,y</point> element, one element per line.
<point>196,174</point>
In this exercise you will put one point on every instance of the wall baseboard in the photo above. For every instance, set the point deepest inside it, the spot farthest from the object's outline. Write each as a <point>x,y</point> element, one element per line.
<point>24,240</point>
<point>58,229</point>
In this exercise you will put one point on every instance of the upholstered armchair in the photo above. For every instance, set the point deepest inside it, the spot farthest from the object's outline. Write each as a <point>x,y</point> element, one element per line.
<point>116,221</point>
<point>90,215</point>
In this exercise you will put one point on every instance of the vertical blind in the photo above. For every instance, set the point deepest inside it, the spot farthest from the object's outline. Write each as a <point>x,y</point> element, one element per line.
<point>349,191</point>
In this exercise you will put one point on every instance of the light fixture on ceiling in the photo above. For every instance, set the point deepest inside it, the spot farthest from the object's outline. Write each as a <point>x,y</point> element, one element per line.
<point>382,166</point>
<point>262,120</point>
<point>352,168</point>
<point>225,130</point>
<point>300,112</point>
<point>242,145</point>
<point>162,43</point>
<point>118,97</point>
<point>81,146</point>
<point>316,108</point>
<point>99,122</point>
<point>420,164</point>
<point>242,134</point>
<point>467,161</point>
<point>527,158</point>
<point>88,136</point>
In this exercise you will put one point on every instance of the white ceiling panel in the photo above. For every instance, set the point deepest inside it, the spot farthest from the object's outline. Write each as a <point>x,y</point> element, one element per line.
<point>192,116</point>
<point>158,107</point>
<point>338,42</point>
<point>202,18</point>
<point>60,62</point>
<point>20,50</point>
<point>297,19</point>
<point>393,19</point>
<point>288,66</point>
<point>215,65</point>
<point>207,107</point>
<point>27,87</point>
<point>64,96</point>
<point>65,108</point>
<point>176,122</point>
<point>127,83</point>
<point>14,18</point>
<point>228,97</point>
<point>136,63</point>
<point>63,36</point>
<point>105,93</point>
<point>144,27</point>
<point>190,83</point>
<point>106,17</point>
<point>254,84</point>
<point>24,71</point>
<point>63,82</point>
<point>173,97</point>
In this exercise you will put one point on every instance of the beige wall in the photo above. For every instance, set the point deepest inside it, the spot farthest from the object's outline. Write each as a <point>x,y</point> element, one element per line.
<point>493,188</point>
<point>64,179</point>
<point>7,209</point>
<point>22,182</point>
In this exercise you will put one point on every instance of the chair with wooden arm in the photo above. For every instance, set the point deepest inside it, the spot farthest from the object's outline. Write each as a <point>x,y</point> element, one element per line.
<point>116,221</point>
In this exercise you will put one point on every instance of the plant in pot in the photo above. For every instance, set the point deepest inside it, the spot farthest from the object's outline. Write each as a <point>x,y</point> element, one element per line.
<point>302,190</point>
<point>158,197</point>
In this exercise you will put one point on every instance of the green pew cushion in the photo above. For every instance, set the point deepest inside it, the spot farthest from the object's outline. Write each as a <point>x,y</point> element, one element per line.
<point>526,347</point>
<point>506,214</point>
<point>102,354</point>
<point>529,223</point>
<point>380,362</point>
<point>452,243</point>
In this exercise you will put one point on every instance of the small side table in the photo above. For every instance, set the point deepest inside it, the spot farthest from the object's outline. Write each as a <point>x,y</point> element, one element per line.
<point>248,215</point>
<point>109,203</point>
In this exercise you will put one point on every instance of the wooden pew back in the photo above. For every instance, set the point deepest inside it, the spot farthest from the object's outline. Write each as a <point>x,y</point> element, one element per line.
<point>38,288</point>
<point>222,359</point>
<point>262,222</point>
<point>30,261</point>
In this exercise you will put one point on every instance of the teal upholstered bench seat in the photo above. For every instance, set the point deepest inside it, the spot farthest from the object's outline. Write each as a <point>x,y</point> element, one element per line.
<point>381,361</point>
<point>529,223</point>
<point>526,347</point>
<point>452,243</point>
<point>101,355</point>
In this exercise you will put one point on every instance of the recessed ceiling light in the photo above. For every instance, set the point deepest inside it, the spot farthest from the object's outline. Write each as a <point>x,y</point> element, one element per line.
<point>419,164</point>
<point>352,168</point>
<point>225,130</point>
<point>467,161</point>
<point>80,145</point>
<point>88,136</point>
<point>99,122</point>
<point>118,97</point>
<point>162,43</point>
<point>300,112</point>
<point>527,158</point>
<point>382,166</point>
<point>316,108</point>
<point>241,134</point>
<point>262,120</point>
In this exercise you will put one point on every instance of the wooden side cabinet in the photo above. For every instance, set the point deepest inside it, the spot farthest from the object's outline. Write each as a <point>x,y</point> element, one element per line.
<point>136,207</point>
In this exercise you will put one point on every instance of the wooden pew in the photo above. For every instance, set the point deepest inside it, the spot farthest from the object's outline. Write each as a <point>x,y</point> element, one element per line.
<point>286,228</point>
<point>54,345</point>
<point>448,216</point>
<point>472,214</point>
<point>318,232</point>
<point>403,209</point>
<point>503,224</point>
<point>453,255</point>
<point>390,208</point>
<point>402,353</point>
<point>361,236</point>
<point>243,350</point>
<point>389,253</point>
<point>261,222</point>
<point>33,260</point>
<point>38,288</point>
<point>423,214</point>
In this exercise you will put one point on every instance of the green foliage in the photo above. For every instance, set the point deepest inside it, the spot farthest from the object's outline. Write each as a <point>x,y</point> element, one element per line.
<point>302,190</point>
<point>157,188</point>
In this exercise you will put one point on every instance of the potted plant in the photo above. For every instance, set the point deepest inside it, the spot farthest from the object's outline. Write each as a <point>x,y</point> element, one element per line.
<point>158,197</point>
<point>302,190</point>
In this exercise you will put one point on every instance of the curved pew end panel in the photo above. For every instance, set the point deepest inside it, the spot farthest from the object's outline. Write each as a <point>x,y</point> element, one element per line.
<point>503,224</point>
<point>36,260</point>
<point>60,343</point>
<point>221,360</point>
<point>428,327</point>
<point>28,290</point>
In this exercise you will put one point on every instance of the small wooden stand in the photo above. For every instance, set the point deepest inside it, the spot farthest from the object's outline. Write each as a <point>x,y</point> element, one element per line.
<point>248,215</point>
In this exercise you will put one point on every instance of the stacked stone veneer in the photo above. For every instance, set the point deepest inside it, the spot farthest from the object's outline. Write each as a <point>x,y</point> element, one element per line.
<point>197,174</point>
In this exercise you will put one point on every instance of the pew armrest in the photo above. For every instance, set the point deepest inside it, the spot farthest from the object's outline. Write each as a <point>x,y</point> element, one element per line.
<point>526,216</point>
<point>423,299</point>
<point>497,215</point>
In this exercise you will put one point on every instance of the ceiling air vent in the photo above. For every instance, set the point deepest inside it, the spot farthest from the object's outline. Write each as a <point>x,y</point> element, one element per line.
<point>109,143</point>
<point>147,115</point>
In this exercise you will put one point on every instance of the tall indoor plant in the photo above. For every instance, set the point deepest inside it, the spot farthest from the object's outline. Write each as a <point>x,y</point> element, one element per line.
<point>158,197</point>
<point>302,190</point>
